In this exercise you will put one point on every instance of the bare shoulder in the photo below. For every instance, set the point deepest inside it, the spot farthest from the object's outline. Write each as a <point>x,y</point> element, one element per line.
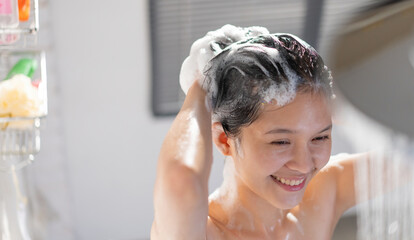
<point>346,158</point>
<point>329,194</point>
<point>216,227</point>
<point>341,171</point>
<point>341,166</point>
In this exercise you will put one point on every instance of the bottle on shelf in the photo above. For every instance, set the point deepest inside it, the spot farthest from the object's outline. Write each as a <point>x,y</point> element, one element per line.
<point>9,18</point>
<point>24,10</point>
<point>9,14</point>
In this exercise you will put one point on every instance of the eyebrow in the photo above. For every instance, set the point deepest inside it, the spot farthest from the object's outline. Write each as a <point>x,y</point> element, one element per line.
<point>283,130</point>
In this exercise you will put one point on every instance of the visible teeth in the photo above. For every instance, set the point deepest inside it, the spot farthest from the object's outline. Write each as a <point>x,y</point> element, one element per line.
<point>289,182</point>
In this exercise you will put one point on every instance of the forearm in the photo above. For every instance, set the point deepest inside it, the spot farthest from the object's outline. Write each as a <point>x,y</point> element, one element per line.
<point>181,188</point>
<point>188,142</point>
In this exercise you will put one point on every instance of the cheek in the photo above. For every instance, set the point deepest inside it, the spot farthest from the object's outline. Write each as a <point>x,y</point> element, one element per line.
<point>277,159</point>
<point>322,156</point>
<point>271,160</point>
<point>258,159</point>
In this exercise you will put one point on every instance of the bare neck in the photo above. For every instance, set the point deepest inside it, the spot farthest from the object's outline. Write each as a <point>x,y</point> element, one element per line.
<point>237,208</point>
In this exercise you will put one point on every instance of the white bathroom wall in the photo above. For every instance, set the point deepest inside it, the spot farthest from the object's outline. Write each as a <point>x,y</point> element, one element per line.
<point>111,139</point>
<point>98,160</point>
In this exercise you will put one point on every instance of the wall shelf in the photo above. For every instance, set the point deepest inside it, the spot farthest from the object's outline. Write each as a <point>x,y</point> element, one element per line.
<point>23,107</point>
<point>25,34</point>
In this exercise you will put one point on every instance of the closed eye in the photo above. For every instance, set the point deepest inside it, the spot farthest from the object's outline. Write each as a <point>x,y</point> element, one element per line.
<point>321,138</point>
<point>281,142</point>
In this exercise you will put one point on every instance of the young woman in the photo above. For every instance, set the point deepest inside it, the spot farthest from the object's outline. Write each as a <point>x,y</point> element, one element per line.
<point>266,104</point>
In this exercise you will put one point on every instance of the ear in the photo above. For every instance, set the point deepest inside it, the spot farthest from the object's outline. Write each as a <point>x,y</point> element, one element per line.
<point>220,138</point>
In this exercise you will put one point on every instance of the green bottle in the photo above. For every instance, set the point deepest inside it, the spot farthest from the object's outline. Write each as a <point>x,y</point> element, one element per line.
<point>26,66</point>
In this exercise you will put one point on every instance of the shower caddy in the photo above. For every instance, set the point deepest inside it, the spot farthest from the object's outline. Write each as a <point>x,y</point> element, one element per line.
<point>20,136</point>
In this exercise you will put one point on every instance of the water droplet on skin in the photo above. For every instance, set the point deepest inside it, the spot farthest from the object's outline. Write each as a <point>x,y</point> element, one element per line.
<point>294,220</point>
<point>287,236</point>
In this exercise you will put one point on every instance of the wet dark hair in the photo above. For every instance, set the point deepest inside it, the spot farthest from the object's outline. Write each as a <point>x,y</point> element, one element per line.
<point>236,77</point>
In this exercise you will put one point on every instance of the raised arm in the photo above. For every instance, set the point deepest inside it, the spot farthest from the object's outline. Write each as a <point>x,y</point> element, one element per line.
<point>181,187</point>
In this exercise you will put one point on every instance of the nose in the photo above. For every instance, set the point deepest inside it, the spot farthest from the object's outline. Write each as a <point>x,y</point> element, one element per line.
<point>302,160</point>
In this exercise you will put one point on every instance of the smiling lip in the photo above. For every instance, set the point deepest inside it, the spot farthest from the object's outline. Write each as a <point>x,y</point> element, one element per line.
<point>290,188</point>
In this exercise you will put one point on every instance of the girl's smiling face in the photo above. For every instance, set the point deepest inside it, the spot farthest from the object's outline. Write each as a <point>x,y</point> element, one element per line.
<point>284,148</point>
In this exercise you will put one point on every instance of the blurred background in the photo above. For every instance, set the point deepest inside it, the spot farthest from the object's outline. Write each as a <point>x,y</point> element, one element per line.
<point>113,92</point>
